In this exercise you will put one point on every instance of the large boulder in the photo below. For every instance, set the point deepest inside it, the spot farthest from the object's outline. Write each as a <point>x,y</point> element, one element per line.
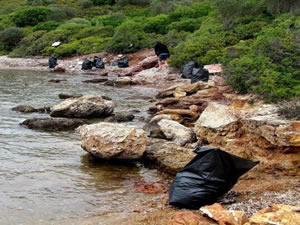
<point>83,107</point>
<point>167,156</point>
<point>53,124</point>
<point>173,131</point>
<point>147,63</point>
<point>254,132</point>
<point>113,141</point>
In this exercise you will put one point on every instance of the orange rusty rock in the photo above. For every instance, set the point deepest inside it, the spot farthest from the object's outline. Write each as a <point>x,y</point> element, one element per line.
<point>224,217</point>
<point>190,218</point>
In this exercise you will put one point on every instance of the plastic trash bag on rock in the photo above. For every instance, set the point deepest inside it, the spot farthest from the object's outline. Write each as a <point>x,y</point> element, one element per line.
<point>123,63</point>
<point>207,177</point>
<point>52,62</point>
<point>191,71</point>
<point>87,64</point>
<point>199,75</point>
<point>98,63</point>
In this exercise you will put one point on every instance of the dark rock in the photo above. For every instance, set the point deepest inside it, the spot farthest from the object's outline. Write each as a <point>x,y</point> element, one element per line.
<point>59,69</point>
<point>55,80</point>
<point>94,81</point>
<point>53,124</point>
<point>110,83</point>
<point>65,96</point>
<point>120,117</point>
<point>24,109</point>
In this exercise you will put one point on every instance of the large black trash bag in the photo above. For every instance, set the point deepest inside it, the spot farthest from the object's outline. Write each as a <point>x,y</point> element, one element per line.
<point>188,69</point>
<point>52,63</point>
<point>199,75</point>
<point>123,63</point>
<point>98,63</point>
<point>207,177</point>
<point>87,64</point>
<point>191,71</point>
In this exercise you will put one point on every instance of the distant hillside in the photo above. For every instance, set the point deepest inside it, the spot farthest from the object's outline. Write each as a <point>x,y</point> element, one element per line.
<point>257,41</point>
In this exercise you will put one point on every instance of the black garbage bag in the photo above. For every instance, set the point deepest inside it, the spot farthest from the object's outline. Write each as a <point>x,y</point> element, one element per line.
<point>191,71</point>
<point>188,69</point>
<point>123,63</point>
<point>87,64</point>
<point>98,63</point>
<point>52,63</point>
<point>199,75</point>
<point>207,177</point>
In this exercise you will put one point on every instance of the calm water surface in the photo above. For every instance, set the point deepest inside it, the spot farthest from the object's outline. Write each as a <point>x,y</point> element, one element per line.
<point>45,177</point>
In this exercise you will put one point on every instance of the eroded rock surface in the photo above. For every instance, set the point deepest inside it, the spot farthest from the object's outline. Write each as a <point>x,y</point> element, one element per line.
<point>113,141</point>
<point>30,109</point>
<point>53,124</point>
<point>167,156</point>
<point>83,107</point>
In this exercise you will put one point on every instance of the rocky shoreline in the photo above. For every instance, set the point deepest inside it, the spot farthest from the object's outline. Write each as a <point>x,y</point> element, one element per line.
<point>185,116</point>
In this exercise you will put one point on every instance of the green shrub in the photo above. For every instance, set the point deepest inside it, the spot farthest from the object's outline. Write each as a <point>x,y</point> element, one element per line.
<point>114,21</point>
<point>129,37</point>
<point>193,11</point>
<point>268,66</point>
<point>11,37</point>
<point>230,10</point>
<point>98,31</point>
<point>103,2</point>
<point>39,2</point>
<point>185,24</point>
<point>5,22</point>
<point>31,16</point>
<point>24,48</point>
<point>157,24</point>
<point>78,21</point>
<point>85,4</point>
<point>47,26</point>
<point>205,46</point>
<point>248,31</point>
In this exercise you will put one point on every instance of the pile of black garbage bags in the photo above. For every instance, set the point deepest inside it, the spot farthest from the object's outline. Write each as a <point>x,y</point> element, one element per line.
<point>97,62</point>
<point>193,72</point>
<point>210,175</point>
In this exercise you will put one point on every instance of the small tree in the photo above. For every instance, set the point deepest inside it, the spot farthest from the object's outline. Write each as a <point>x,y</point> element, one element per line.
<point>11,37</point>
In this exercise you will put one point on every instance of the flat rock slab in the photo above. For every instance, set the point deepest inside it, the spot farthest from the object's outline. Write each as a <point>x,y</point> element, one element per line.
<point>83,107</point>
<point>95,81</point>
<point>111,141</point>
<point>30,109</point>
<point>53,124</point>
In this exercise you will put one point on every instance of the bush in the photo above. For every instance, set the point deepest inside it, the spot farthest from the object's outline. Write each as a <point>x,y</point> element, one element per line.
<point>157,24</point>
<point>103,2</point>
<point>230,10</point>
<point>39,2</point>
<point>205,46</point>
<point>78,21</point>
<point>128,38</point>
<point>269,65</point>
<point>31,16</point>
<point>85,4</point>
<point>185,24</point>
<point>11,37</point>
<point>248,31</point>
<point>114,21</point>
<point>193,11</point>
<point>98,31</point>
<point>47,26</point>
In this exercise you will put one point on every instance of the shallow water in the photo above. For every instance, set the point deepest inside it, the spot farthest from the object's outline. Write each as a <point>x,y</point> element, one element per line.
<point>45,177</point>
